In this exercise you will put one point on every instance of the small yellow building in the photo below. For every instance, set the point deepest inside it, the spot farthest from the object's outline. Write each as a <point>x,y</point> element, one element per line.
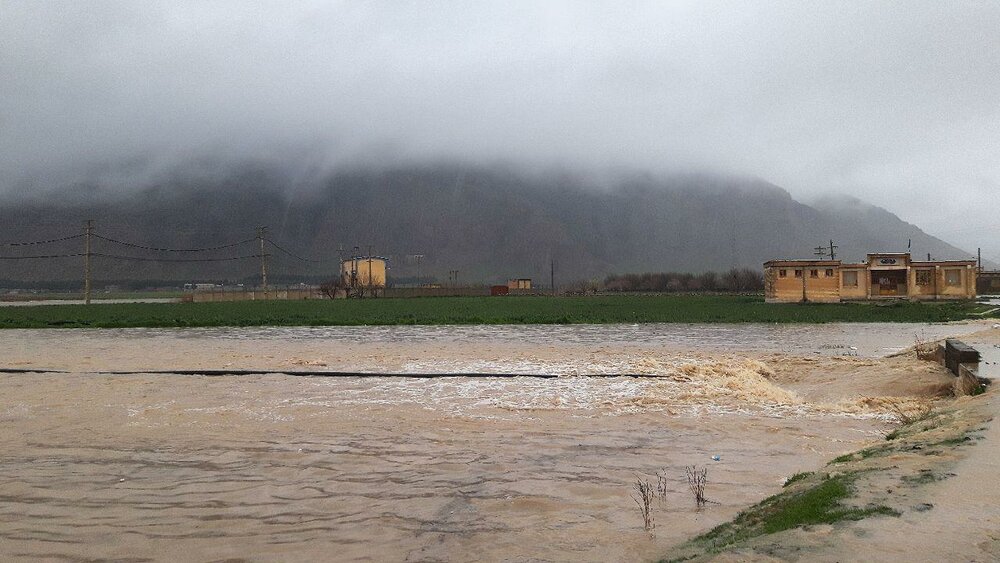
<point>880,276</point>
<point>519,283</point>
<point>364,272</point>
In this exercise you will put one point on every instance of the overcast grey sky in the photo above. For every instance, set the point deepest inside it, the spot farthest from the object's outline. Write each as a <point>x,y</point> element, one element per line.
<point>895,102</point>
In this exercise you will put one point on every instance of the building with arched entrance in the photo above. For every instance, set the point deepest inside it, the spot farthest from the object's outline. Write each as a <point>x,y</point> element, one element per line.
<point>886,275</point>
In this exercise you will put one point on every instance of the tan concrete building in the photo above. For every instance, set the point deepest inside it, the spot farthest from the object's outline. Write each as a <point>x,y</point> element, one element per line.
<point>519,283</point>
<point>880,276</point>
<point>364,272</point>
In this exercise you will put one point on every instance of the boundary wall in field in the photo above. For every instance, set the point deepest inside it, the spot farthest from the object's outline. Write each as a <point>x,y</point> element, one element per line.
<point>253,295</point>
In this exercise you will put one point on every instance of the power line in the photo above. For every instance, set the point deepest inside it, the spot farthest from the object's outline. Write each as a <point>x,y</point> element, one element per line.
<point>144,259</point>
<point>35,242</point>
<point>290,253</point>
<point>133,245</point>
<point>89,254</point>
<point>77,255</point>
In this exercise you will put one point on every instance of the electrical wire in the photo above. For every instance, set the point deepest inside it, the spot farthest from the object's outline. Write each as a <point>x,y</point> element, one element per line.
<point>34,242</point>
<point>152,248</point>
<point>133,245</point>
<point>143,259</point>
<point>290,253</point>
<point>45,256</point>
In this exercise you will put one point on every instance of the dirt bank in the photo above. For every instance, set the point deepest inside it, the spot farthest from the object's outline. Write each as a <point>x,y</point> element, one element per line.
<point>926,493</point>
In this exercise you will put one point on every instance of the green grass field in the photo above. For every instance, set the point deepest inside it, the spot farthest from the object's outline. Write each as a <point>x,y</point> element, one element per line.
<point>476,310</point>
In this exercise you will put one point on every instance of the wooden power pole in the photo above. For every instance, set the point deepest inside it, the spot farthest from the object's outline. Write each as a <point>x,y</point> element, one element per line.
<point>371,282</point>
<point>552,276</point>
<point>805,294</point>
<point>263,259</point>
<point>822,251</point>
<point>88,231</point>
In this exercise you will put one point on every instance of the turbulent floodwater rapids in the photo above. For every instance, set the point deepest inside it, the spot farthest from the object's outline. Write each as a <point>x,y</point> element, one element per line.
<point>172,467</point>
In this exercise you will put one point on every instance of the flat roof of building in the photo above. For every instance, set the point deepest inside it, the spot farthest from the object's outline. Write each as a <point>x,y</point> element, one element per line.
<point>943,262</point>
<point>802,262</point>
<point>815,262</point>
<point>353,258</point>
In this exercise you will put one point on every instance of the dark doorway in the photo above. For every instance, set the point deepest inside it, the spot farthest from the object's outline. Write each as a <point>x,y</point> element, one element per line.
<point>888,283</point>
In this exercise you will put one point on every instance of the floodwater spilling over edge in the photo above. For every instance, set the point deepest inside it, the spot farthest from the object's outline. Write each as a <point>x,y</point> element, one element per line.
<point>278,467</point>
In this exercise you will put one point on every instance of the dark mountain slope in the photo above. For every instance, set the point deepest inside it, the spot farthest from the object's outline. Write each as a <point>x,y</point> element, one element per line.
<point>488,223</point>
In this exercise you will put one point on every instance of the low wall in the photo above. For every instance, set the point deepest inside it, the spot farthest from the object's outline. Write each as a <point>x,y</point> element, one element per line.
<point>963,361</point>
<point>968,381</point>
<point>253,295</point>
<point>483,291</point>
<point>956,353</point>
<point>436,291</point>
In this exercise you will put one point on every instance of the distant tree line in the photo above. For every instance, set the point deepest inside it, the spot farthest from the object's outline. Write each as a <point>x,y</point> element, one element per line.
<point>736,280</point>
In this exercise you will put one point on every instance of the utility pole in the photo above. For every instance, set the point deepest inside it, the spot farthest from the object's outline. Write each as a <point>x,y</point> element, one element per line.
<point>979,260</point>
<point>263,259</point>
<point>824,251</point>
<point>552,276</point>
<point>340,263</point>
<point>371,282</point>
<point>418,257</point>
<point>805,297</point>
<point>88,230</point>
<point>355,280</point>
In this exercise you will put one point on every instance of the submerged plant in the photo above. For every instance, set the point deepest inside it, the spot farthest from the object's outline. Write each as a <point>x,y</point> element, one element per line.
<point>926,351</point>
<point>912,414</point>
<point>643,494</point>
<point>697,479</point>
<point>661,485</point>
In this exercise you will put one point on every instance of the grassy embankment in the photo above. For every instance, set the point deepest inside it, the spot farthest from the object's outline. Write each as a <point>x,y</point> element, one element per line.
<point>886,479</point>
<point>476,310</point>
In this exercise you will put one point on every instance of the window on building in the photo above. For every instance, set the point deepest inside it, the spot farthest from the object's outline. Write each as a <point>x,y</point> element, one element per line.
<point>924,277</point>
<point>798,273</point>
<point>828,273</point>
<point>782,273</point>
<point>851,279</point>
<point>813,273</point>
<point>953,276</point>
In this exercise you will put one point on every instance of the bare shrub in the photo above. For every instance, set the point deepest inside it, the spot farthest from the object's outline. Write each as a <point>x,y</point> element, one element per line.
<point>661,485</point>
<point>735,280</point>
<point>926,351</point>
<point>331,287</point>
<point>697,479</point>
<point>643,494</point>
<point>908,411</point>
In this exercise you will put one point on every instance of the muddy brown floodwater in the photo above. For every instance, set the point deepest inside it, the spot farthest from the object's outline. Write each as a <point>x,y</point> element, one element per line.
<point>278,467</point>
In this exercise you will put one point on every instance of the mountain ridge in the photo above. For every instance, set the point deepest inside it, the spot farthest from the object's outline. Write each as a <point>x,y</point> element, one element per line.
<point>487,223</point>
